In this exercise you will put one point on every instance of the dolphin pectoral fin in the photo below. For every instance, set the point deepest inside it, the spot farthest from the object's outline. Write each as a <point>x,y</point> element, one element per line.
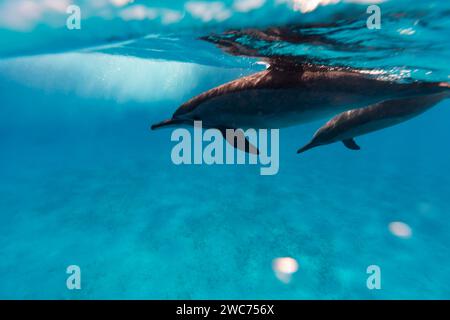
<point>239,141</point>
<point>351,144</point>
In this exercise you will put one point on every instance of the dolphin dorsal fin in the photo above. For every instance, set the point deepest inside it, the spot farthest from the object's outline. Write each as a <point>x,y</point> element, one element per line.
<point>351,144</point>
<point>284,64</point>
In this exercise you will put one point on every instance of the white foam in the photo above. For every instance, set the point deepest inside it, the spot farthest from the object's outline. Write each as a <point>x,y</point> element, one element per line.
<point>247,5</point>
<point>208,11</point>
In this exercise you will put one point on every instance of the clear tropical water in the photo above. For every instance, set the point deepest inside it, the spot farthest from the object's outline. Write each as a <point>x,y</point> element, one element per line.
<point>83,181</point>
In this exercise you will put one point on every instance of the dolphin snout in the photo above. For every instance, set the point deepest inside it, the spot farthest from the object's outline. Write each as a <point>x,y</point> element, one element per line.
<point>310,145</point>
<point>169,122</point>
<point>161,124</point>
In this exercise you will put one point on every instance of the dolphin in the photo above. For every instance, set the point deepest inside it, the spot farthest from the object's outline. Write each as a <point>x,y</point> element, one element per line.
<point>289,94</point>
<point>350,124</point>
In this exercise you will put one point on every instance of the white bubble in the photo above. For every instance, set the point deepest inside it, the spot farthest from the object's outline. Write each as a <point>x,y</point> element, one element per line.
<point>284,268</point>
<point>406,31</point>
<point>400,229</point>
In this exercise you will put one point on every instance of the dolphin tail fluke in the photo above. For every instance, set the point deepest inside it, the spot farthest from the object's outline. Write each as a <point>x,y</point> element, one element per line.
<point>351,144</point>
<point>167,123</point>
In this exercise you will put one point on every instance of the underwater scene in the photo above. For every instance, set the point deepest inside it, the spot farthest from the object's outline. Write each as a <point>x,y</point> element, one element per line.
<point>343,191</point>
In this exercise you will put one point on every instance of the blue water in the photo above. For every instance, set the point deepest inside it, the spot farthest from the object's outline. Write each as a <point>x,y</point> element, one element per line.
<point>83,181</point>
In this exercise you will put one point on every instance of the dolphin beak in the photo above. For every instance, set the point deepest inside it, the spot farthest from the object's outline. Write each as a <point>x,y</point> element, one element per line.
<point>307,147</point>
<point>168,122</point>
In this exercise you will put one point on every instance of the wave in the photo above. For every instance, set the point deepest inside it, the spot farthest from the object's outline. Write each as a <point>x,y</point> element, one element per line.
<point>333,32</point>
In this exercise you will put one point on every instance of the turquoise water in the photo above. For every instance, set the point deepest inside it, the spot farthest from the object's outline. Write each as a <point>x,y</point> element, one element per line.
<point>83,181</point>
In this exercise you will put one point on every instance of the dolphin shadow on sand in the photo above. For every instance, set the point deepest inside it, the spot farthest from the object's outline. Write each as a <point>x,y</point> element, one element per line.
<point>291,92</point>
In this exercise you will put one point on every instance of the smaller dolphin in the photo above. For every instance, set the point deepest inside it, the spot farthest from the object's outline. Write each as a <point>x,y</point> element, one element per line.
<point>353,123</point>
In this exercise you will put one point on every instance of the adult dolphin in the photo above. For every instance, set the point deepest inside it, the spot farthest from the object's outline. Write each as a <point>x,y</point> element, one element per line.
<point>290,94</point>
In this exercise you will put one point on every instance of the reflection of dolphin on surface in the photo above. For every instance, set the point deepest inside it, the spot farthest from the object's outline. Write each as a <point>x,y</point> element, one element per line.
<point>280,97</point>
<point>350,124</point>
